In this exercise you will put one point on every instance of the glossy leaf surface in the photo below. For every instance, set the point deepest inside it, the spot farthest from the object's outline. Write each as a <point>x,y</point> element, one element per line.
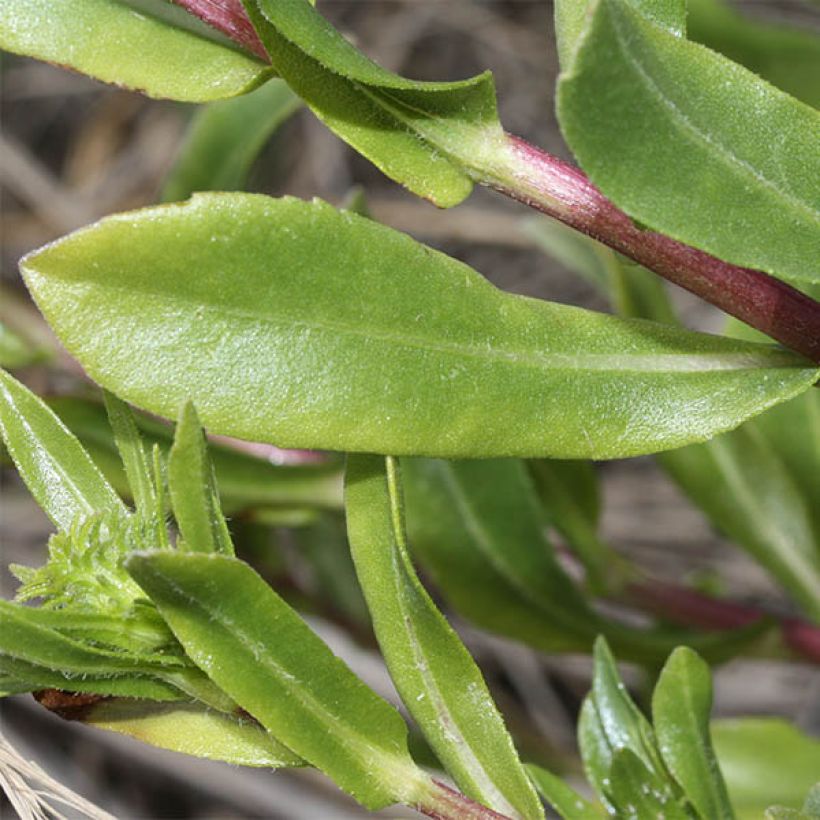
<point>681,706</point>
<point>111,41</point>
<point>192,485</point>
<point>694,145</point>
<point>419,133</point>
<point>637,791</point>
<point>262,654</point>
<point>224,138</point>
<point>193,729</point>
<point>56,469</point>
<point>375,343</point>
<point>438,680</point>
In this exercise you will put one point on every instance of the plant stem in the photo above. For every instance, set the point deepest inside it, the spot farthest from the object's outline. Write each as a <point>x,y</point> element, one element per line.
<point>443,803</point>
<point>558,189</point>
<point>544,182</point>
<point>229,18</point>
<point>688,607</point>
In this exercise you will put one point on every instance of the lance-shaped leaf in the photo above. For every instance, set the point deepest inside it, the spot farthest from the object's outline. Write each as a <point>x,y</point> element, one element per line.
<point>637,791</point>
<point>374,343</point>
<point>565,800</point>
<point>422,134</point>
<point>694,145</point>
<point>438,680</point>
<point>681,705</point>
<point>478,528</point>
<point>244,480</point>
<point>224,138</point>
<point>132,452</point>
<point>57,470</point>
<point>193,489</point>
<point>262,654</point>
<point>154,48</point>
<point>192,729</point>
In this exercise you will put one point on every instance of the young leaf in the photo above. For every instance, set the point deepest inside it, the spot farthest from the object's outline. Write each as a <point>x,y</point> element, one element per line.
<point>420,134</point>
<point>56,469</point>
<point>133,455</point>
<point>436,361</point>
<point>439,682</point>
<point>244,480</point>
<point>258,651</point>
<point>194,494</point>
<point>681,138</point>
<point>224,138</point>
<point>639,792</point>
<point>567,802</point>
<point>192,729</point>
<point>765,761</point>
<point>110,40</point>
<point>681,704</point>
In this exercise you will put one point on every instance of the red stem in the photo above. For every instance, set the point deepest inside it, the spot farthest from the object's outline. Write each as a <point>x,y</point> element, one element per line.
<point>562,191</point>
<point>230,18</point>
<point>690,608</point>
<point>445,803</point>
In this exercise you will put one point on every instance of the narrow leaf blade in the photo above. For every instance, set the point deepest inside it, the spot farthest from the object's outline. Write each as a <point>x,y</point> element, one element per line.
<point>56,469</point>
<point>439,682</point>
<point>567,802</point>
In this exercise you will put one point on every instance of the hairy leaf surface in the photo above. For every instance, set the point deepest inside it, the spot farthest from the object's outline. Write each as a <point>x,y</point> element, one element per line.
<point>694,145</point>
<point>371,342</point>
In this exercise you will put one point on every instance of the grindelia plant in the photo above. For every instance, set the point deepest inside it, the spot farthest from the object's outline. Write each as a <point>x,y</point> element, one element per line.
<point>465,417</point>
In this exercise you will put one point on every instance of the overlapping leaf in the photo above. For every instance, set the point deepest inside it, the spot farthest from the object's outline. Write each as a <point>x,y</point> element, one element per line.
<point>439,682</point>
<point>375,343</point>
<point>692,144</point>
<point>154,48</point>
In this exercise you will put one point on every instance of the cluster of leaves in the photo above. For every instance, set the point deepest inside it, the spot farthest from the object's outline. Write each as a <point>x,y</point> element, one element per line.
<point>188,648</point>
<point>304,326</point>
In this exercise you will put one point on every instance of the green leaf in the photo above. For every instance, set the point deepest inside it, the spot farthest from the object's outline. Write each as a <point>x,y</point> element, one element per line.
<point>17,352</point>
<point>438,680</point>
<point>478,528</point>
<point>194,494</point>
<point>786,56</point>
<point>56,469</point>
<point>244,480</point>
<point>319,344</point>
<point>258,651</point>
<point>192,729</point>
<point>681,704</point>
<point>424,135</point>
<point>638,792</point>
<point>694,145</point>
<point>133,455</point>
<point>150,47</point>
<point>572,17</point>
<point>746,491</point>
<point>567,802</point>
<point>765,761</point>
<point>224,138</point>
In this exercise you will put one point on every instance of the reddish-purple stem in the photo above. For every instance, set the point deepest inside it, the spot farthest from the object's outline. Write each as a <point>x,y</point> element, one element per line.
<point>447,804</point>
<point>562,191</point>
<point>690,608</point>
<point>230,18</point>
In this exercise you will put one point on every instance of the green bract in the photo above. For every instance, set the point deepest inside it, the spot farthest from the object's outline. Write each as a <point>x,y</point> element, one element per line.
<point>293,323</point>
<point>153,48</point>
<point>694,145</point>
